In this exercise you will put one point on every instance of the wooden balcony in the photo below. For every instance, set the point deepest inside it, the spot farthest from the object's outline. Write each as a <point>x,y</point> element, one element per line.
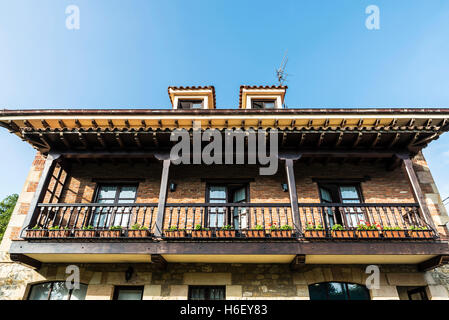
<point>231,221</point>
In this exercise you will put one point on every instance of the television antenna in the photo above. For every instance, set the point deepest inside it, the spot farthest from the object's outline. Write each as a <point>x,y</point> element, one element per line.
<point>281,75</point>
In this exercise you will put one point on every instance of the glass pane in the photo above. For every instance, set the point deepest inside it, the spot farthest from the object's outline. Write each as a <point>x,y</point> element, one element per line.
<point>107,192</point>
<point>40,291</point>
<point>216,221</point>
<point>105,200</point>
<point>217,192</point>
<point>357,292</point>
<point>269,105</point>
<point>257,105</point>
<point>197,105</point>
<point>128,294</point>
<point>217,201</point>
<point>121,219</point>
<point>239,195</point>
<point>318,291</point>
<point>216,294</point>
<point>127,192</point>
<point>59,291</point>
<point>336,291</point>
<point>197,294</point>
<point>184,105</point>
<point>349,192</point>
<point>79,294</point>
<point>325,195</point>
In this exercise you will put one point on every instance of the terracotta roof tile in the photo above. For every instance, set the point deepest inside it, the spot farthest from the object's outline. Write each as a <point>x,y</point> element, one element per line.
<point>192,88</point>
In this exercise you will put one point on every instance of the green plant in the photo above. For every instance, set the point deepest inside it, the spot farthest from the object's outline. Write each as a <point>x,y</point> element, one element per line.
<point>311,227</point>
<point>286,227</point>
<point>418,228</point>
<point>36,227</point>
<point>227,227</point>
<point>274,227</point>
<point>138,227</point>
<point>6,209</point>
<point>199,227</point>
<point>337,227</point>
<point>58,228</point>
<point>258,227</point>
<point>115,228</point>
<point>88,228</point>
<point>173,228</point>
<point>392,228</point>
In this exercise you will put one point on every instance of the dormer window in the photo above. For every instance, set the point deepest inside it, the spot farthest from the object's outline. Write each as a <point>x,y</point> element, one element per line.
<point>190,104</point>
<point>263,104</point>
<point>186,98</point>
<point>262,97</point>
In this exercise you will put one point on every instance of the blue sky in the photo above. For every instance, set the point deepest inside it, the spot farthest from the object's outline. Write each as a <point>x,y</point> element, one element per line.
<point>126,54</point>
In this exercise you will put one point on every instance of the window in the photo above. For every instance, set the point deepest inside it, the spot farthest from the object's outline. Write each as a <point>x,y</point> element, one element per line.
<point>190,104</point>
<point>56,291</point>
<point>207,292</point>
<point>113,194</point>
<point>338,291</point>
<point>227,193</point>
<point>412,293</point>
<point>128,293</point>
<point>344,193</point>
<point>263,104</point>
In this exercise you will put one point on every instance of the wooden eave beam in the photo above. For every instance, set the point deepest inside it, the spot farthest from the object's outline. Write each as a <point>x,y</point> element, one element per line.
<point>25,260</point>
<point>159,261</point>
<point>433,263</point>
<point>298,261</point>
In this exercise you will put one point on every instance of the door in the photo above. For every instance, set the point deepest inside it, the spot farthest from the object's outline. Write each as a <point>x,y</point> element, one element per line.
<point>350,194</point>
<point>114,195</point>
<point>326,197</point>
<point>239,213</point>
<point>217,194</point>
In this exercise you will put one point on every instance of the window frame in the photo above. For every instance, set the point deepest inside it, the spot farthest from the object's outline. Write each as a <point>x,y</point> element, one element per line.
<point>117,290</point>
<point>208,288</point>
<point>420,290</point>
<point>347,294</point>
<point>119,186</point>
<point>191,102</point>
<point>69,295</point>
<point>263,101</point>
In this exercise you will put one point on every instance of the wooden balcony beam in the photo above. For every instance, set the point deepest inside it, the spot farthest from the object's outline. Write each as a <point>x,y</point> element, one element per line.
<point>162,198</point>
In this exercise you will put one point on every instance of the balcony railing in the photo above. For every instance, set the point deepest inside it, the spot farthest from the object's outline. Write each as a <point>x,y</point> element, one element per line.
<point>231,220</point>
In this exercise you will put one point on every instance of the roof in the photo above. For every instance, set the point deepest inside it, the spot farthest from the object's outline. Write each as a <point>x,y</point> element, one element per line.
<point>136,129</point>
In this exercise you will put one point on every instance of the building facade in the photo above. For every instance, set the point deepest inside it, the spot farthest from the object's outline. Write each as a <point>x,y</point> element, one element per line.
<point>352,195</point>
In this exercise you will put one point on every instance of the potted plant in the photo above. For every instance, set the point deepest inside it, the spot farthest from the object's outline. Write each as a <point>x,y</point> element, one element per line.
<point>368,231</point>
<point>420,232</point>
<point>36,232</point>
<point>58,232</point>
<point>226,232</point>
<point>174,232</point>
<point>257,232</point>
<point>338,231</point>
<point>284,231</point>
<point>394,232</point>
<point>201,232</point>
<point>85,232</point>
<point>138,231</point>
<point>316,231</point>
<point>112,232</point>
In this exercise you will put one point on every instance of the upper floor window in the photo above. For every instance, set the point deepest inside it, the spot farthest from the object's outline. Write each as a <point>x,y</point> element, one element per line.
<point>56,291</point>
<point>263,104</point>
<point>190,104</point>
<point>207,292</point>
<point>338,291</point>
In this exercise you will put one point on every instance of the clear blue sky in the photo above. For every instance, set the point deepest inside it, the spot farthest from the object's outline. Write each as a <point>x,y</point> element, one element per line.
<point>126,53</point>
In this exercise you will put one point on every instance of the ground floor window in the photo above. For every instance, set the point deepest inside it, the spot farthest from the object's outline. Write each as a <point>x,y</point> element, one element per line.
<point>412,293</point>
<point>338,291</point>
<point>128,293</point>
<point>56,291</point>
<point>207,292</point>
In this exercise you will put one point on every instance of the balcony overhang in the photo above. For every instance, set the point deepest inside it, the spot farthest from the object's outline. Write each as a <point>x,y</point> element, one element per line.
<point>372,252</point>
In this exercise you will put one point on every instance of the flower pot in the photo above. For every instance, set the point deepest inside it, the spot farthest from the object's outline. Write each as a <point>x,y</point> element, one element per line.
<point>368,234</point>
<point>281,233</point>
<point>225,234</point>
<point>58,233</point>
<point>110,233</point>
<point>201,234</point>
<point>421,234</point>
<point>255,234</point>
<point>138,233</point>
<point>175,234</point>
<point>85,233</point>
<point>315,234</point>
<point>36,233</point>
<point>394,234</point>
<point>343,234</point>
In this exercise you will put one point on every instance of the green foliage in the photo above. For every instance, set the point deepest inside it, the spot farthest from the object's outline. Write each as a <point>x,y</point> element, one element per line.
<point>227,227</point>
<point>418,228</point>
<point>6,209</point>
<point>286,227</point>
<point>88,228</point>
<point>367,226</point>
<point>199,227</point>
<point>115,228</point>
<point>337,227</point>
<point>258,227</point>
<point>36,227</point>
<point>310,226</point>
<point>138,227</point>
<point>392,228</point>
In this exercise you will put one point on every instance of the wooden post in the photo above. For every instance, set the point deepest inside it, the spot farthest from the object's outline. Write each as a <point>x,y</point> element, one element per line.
<point>418,194</point>
<point>162,198</point>
<point>41,189</point>
<point>292,193</point>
